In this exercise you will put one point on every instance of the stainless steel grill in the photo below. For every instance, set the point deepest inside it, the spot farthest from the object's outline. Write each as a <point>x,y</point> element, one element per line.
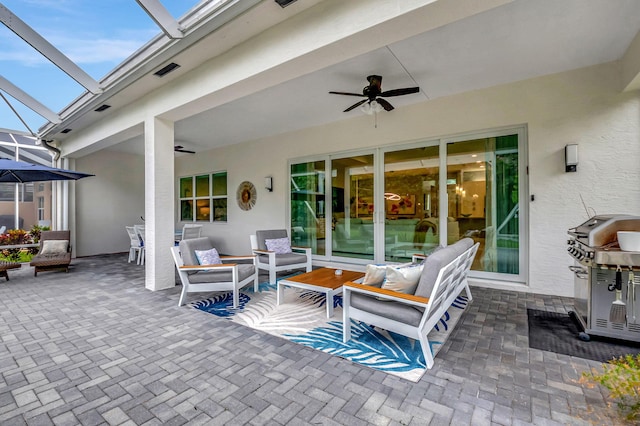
<point>600,269</point>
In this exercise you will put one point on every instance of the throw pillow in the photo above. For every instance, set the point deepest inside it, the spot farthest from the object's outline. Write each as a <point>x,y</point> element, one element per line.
<point>278,245</point>
<point>403,278</point>
<point>374,275</point>
<point>54,247</point>
<point>208,257</point>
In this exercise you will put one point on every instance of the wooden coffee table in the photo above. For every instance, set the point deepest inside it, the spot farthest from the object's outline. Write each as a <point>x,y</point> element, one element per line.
<point>323,280</point>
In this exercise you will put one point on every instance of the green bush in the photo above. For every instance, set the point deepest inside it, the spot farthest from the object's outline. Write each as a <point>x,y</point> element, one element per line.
<point>621,377</point>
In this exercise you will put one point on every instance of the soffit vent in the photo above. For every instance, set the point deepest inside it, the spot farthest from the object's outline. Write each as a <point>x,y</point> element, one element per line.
<point>66,131</point>
<point>284,3</point>
<point>166,69</point>
<point>102,107</point>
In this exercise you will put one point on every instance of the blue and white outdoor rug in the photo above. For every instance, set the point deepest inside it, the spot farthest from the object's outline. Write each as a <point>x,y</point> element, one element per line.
<point>302,318</point>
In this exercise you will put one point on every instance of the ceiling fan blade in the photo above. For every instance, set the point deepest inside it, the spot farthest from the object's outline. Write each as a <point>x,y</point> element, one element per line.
<point>385,104</point>
<point>357,104</point>
<point>347,93</point>
<point>180,148</point>
<point>400,92</point>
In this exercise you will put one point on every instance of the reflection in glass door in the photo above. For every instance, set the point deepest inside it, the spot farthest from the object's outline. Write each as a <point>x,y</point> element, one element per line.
<point>308,205</point>
<point>483,199</point>
<point>352,206</point>
<point>411,202</point>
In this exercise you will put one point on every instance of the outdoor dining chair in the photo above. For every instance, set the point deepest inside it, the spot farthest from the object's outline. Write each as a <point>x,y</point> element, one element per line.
<point>136,245</point>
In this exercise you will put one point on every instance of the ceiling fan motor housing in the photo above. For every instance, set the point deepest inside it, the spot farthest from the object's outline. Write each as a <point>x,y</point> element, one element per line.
<point>374,87</point>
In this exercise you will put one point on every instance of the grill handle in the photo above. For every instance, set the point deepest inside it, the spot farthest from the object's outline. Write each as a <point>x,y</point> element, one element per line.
<point>618,278</point>
<point>580,272</point>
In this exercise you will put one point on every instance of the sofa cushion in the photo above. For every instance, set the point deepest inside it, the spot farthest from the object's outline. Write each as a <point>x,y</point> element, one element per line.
<point>389,309</point>
<point>402,278</point>
<point>374,275</point>
<point>436,261</point>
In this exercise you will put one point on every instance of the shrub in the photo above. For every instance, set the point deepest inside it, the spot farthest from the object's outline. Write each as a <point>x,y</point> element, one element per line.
<point>20,236</point>
<point>621,377</point>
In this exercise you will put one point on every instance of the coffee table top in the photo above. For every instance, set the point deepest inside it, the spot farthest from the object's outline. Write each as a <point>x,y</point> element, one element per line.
<point>325,277</point>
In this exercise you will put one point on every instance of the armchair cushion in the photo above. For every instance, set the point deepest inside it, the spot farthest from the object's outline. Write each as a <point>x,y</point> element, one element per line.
<point>284,259</point>
<point>208,257</point>
<point>188,249</point>
<point>245,270</point>
<point>262,236</point>
<point>278,245</point>
<point>54,247</point>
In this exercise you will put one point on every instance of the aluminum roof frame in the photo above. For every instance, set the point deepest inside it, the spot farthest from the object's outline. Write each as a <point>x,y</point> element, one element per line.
<point>128,70</point>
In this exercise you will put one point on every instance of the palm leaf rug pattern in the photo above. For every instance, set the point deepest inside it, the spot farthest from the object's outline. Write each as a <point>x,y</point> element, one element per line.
<point>301,318</point>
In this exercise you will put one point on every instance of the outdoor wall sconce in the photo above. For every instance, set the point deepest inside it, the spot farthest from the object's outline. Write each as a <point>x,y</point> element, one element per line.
<point>268,183</point>
<point>571,158</point>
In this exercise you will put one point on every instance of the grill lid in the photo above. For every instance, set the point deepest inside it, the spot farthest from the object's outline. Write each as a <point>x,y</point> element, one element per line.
<point>601,230</point>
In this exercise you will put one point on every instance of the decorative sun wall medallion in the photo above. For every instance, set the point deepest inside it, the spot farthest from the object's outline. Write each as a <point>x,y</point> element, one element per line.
<point>246,195</point>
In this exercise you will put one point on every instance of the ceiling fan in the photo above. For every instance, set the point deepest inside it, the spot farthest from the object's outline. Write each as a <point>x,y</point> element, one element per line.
<point>180,148</point>
<point>373,92</point>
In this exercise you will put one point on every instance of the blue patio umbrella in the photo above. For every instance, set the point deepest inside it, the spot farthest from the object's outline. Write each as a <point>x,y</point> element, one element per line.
<point>21,172</point>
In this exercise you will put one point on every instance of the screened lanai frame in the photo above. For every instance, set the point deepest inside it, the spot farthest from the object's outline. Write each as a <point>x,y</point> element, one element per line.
<point>61,70</point>
<point>23,205</point>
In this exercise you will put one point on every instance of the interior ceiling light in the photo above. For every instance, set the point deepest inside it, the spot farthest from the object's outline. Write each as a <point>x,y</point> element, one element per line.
<point>392,196</point>
<point>284,3</point>
<point>166,69</point>
<point>102,107</point>
<point>66,131</point>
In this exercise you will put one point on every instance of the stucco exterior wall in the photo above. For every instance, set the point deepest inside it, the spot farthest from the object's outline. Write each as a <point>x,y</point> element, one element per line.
<point>582,106</point>
<point>107,202</point>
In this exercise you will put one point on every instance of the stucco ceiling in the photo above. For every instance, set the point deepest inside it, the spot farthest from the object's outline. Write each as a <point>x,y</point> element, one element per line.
<point>520,40</point>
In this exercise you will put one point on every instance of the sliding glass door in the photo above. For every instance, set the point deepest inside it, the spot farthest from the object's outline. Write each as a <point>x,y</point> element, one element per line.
<point>484,195</point>
<point>411,207</point>
<point>386,204</point>
<point>352,207</point>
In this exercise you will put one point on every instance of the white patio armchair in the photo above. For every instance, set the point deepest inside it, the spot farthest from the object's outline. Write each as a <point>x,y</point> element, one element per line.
<point>224,276</point>
<point>284,258</point>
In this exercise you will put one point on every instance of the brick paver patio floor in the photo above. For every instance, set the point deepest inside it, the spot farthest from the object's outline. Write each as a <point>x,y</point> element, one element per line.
<point>94,347</point>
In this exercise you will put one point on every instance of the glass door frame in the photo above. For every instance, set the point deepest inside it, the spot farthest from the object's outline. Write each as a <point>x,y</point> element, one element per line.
<point>523,197</point>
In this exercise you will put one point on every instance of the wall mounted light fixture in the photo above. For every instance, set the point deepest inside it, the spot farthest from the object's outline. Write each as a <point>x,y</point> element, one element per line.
<point>571,158</point>
<point>268,183</point>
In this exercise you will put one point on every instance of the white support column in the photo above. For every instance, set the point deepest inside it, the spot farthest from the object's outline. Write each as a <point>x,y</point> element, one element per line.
<point>158,208</point>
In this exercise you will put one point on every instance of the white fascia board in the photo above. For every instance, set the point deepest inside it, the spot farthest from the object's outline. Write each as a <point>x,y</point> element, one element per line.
<point>28,100</point>
<point>25,32</point>
<point>162,18</point>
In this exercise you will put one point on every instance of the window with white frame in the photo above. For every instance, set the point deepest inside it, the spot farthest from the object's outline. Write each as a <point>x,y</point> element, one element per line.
<point>40,208</point>
<point>203,198</point>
